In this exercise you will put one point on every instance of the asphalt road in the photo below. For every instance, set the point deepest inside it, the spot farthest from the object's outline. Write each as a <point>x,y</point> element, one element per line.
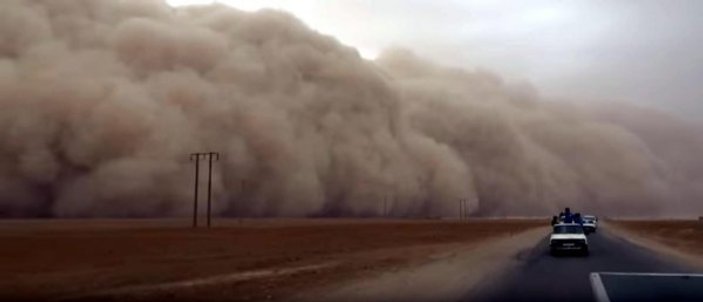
<point>542,277</point>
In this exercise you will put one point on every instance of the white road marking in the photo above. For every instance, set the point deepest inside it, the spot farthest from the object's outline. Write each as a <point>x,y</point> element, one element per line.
<point>650,274</point>
<point>598,289</point>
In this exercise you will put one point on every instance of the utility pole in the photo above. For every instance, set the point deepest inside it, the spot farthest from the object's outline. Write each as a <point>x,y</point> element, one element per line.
<point>216,156</point>
<point>466,209</point>
<point>429,209</point>
<point>463,212</point>
<point>385,206</point>
<point>196,157</point>
<point>239,206</point>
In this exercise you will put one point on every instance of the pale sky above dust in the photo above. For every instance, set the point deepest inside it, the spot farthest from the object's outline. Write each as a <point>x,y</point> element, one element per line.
<point>647,52</point>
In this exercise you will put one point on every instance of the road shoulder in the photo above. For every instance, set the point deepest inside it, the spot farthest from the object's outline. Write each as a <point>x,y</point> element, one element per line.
<point>448,276</point>
<point>650,243</point>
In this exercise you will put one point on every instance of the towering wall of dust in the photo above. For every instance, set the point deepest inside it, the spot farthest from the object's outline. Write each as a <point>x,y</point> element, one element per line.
<point>102,101</point>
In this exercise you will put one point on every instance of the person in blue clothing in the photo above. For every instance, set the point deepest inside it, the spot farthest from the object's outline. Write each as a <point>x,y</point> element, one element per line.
<point>568,217</point>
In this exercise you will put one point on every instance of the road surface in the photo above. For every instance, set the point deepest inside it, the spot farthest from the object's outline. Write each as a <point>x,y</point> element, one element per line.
<point>543,277</point>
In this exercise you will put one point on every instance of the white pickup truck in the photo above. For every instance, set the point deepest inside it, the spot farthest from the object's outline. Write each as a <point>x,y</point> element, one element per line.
<point>568,237</point>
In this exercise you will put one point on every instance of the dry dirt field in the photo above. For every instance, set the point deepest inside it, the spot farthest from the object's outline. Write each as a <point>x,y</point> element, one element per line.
<point>685,236</point>
<point>252,260</point>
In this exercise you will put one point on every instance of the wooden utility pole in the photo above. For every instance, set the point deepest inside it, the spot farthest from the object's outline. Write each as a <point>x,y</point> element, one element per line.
<point>240,204</point>
<point>216,156</point>
<point>466,209</point>
<point>196,157</point>
<point>385,206</point>
<point>463,209</point>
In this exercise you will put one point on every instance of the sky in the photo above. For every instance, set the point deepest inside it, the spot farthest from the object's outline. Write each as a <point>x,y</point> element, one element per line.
<point>647,52</point>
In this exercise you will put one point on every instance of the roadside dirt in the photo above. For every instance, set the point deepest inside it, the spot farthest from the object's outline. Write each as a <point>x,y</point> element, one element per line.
<point>252,260</point>
<point>679,238</point>
<point>447,276</point>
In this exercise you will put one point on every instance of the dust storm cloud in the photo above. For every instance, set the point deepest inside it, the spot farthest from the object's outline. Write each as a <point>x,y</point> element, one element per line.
<point>102,101</point>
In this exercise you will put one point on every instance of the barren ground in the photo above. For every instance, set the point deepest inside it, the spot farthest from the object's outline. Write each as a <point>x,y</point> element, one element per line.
<point>683,236</point>
<point>250,261</point>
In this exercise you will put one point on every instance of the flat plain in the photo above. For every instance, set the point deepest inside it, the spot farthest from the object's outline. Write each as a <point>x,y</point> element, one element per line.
<point>236,260</point>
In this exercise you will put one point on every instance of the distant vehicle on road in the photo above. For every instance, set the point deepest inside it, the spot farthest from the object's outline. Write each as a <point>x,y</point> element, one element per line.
<point>590,224</point>
<point>591,217</point>
<point>568,237</point>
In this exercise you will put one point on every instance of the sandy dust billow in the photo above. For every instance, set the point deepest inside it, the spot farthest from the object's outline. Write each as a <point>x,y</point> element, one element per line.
<point>101,101</point>
<point>256,260</point>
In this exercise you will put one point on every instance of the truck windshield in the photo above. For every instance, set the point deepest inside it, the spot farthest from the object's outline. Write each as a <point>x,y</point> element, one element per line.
<point>568,229</point>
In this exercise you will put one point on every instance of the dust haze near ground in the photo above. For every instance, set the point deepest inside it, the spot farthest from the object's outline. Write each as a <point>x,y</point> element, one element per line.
<point>102,101</point>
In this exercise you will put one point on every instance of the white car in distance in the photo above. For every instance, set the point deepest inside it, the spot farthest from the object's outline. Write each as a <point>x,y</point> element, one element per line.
<point>590,224</point>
